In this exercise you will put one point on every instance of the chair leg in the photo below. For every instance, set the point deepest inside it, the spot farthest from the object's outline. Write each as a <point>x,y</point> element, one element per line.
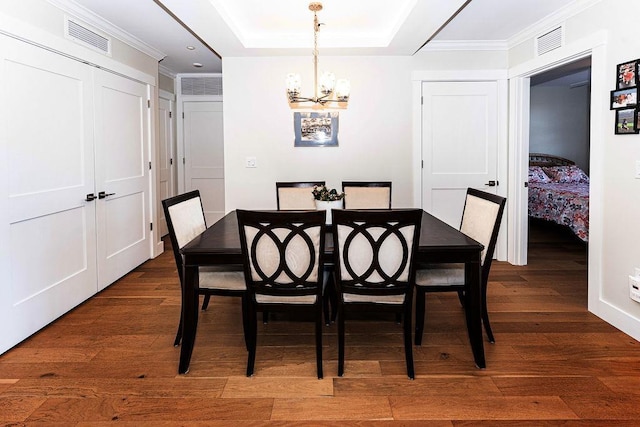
<point>330,301</point>
<point>245,319</point>
<point>265,317</point>
<point>485,317</point>
<point>408,347</point>
<point>461,297</point>
<point>421,295</point>
<point>340,340</point>
<point>205,303</point>
<point>253,338</point>
<point>319,342</point>
<point>176,342</point>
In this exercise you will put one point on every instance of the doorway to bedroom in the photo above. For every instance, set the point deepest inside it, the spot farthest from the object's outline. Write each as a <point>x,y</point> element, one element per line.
<point>559,147</point>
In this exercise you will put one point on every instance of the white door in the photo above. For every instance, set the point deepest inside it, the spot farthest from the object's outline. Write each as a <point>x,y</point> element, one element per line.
<point>122,174</point>
<point>204,155</point>
<point>166,167</point>
<point>459,144</point>
<point>47,234</point>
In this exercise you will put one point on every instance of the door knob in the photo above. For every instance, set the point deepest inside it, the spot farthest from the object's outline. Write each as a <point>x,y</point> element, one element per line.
<point>102,195</point>
<point>90,197</point>
<point>491,183</point>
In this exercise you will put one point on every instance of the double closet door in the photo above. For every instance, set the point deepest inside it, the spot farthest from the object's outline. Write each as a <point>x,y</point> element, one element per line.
<point>74,189</point>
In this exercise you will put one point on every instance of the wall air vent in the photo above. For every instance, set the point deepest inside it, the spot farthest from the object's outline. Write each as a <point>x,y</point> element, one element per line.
<point>87,37</point>
<point>549,41</point>
<point>210,85</point>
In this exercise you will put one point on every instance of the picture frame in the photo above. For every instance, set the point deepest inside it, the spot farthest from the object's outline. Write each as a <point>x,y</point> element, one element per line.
<point>627,74</point>
<point>626,121</point>
<point>316,129</point>
<point>624,98</point>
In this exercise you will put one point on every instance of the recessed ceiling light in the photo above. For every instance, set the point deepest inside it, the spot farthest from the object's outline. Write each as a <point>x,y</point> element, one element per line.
<point>191,48</point>
<point>197,64</point>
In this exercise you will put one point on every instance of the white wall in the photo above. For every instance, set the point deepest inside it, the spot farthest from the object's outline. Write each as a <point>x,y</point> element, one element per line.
<point>560,122</point>
<point>614,228</point>
<point>375,141</point>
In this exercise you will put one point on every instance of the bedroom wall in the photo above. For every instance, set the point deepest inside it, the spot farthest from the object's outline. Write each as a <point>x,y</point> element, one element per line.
<point>614,229</point>
<point>559,121</point>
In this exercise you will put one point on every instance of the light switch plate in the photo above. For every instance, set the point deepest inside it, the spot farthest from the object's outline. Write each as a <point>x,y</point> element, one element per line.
<point>251,162</point>
<point>634,288</point>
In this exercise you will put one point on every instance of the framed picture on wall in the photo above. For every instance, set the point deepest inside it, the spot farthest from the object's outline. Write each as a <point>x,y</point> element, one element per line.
<point>627,74</point>
<point>316,129</point>
<point>624,98</point>
<point>626,121</point>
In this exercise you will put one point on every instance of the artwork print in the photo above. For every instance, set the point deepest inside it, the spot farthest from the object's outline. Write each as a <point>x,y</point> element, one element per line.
<point>316,129</point>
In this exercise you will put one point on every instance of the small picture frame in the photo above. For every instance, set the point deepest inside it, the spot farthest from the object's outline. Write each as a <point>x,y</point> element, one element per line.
<point>624,98</point>
<point>315,129</point>
<point>626,121</point>
<point>627,74</point>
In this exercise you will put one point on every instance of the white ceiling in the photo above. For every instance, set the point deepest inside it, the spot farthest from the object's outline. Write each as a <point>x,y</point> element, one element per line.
<point>284,27</point>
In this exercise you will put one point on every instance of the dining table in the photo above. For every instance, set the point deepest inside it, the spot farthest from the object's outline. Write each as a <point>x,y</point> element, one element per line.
<point>439,243</point>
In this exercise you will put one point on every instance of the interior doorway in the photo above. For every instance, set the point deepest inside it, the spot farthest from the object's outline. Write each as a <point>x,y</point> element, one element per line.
<point>559,126</point>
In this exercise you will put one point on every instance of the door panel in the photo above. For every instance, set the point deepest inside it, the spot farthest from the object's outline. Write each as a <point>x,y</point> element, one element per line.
<point>459,144</point>
<point>48,229</point>
<point>121,122</point>
<point>204,155</point>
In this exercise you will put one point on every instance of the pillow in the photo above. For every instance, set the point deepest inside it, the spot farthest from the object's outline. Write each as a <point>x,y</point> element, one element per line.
<point>566,174</point>
<point>537,175</point>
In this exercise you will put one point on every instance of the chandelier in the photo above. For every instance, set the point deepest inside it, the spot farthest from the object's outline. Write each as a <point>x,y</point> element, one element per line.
<point>328,93</point>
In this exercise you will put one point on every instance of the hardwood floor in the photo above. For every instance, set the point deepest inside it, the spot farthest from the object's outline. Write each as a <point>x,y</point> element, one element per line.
<point>112,359</point>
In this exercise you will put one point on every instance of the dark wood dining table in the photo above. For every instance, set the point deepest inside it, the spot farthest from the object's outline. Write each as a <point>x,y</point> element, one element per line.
<point>439,243</point>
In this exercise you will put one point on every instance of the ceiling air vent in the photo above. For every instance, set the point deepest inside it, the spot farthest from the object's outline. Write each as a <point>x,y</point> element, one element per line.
<point>201,85</point>
<point>549,41</point>
<point>87,37</point>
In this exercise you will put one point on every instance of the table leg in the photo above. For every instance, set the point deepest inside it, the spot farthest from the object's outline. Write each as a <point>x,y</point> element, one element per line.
<point>189,316</point>
<point>473,311</point>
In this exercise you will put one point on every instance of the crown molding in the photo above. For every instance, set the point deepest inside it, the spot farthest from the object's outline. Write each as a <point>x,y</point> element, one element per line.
<point>441,45</point>
<point>556,18</point>
<point>166,72</point>
<point>72,8</point>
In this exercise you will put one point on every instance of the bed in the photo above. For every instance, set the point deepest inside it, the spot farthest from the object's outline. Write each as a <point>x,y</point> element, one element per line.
<point>559,192</point>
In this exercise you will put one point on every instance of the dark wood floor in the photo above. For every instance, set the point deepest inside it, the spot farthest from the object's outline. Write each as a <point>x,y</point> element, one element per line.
<point>112,358</point>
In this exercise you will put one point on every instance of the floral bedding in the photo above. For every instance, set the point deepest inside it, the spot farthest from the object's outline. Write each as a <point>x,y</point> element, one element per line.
<point>565,202</point>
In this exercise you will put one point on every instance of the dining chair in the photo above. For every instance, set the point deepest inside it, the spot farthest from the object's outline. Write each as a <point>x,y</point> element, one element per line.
<point>375,269</point>
<point>185,221</point>
<point>367,194</point>
<point>481,219</point>
<point>296,195</point>
<point>283,267</point>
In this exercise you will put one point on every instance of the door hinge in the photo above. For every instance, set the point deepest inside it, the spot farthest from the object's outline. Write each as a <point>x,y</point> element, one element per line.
<point>183,161</point>
<point>151,226</point>
<point>526,184</point>
<point>149,165</point>
<point>170,161</point>
<point>170,114</point>
<point>183,115</point>
<point>422,164</point>
<point>148,103</point>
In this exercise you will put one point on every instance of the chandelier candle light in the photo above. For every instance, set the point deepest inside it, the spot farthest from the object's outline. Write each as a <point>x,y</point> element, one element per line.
<point>333,94</point>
